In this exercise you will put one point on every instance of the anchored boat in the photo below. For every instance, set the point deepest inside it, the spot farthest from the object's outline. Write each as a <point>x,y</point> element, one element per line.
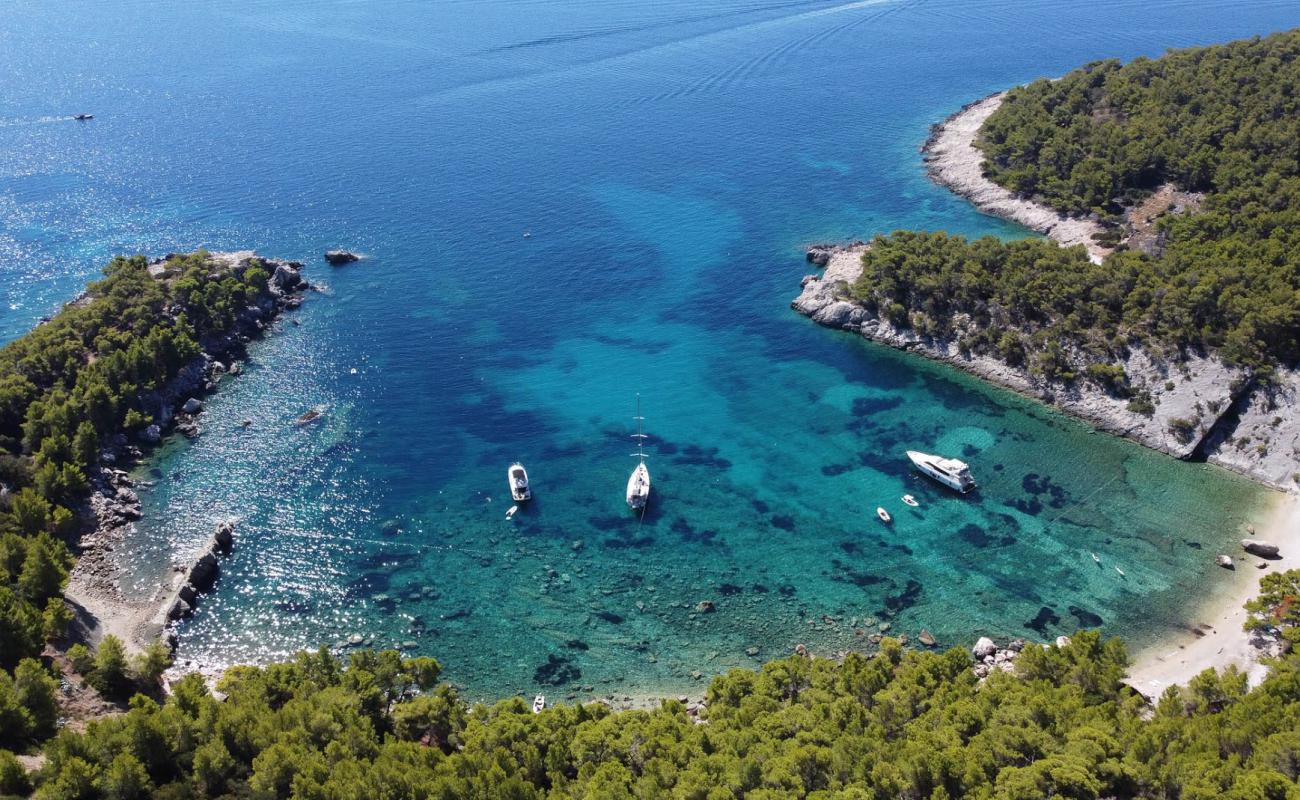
<point>949,471</point>
<point>638,483</point>
<point>518,477</point>
<point>883,514</point>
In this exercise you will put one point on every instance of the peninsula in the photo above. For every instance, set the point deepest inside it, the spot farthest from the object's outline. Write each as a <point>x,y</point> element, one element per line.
<point>1164,305</point>
<point>83,396</point>
<point>1170,311</point>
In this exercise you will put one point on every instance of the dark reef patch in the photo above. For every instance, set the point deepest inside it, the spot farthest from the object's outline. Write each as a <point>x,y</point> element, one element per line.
<point>696,456</point>
<point>1086,618</point>
<point>783,521</point>
<point>865,406</point>
<point>844,573</point>
<point>977,536</point>
<point>902,601</point>
<point>1046,616</point>
<point>1039,485</point>
<point>609,522</point>
<point>831,470</point>
<point>557,671</point>
<point>730,588</point>
<point>577,644</point>
<point>610,617</point>
<point>760,506</point>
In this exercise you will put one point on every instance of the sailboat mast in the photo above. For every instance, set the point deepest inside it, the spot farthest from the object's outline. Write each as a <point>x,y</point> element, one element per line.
<point>639,437</point>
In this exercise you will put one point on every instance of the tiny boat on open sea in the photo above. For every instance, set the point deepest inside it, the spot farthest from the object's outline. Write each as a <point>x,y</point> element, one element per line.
<point>910,500</point>
<point>883,514</point>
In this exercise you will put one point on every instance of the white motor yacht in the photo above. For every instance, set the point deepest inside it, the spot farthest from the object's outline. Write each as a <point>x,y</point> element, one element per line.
<point>949,471</point>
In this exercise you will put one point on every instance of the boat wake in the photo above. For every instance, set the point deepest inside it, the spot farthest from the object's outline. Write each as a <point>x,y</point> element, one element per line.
<point>774,60</point>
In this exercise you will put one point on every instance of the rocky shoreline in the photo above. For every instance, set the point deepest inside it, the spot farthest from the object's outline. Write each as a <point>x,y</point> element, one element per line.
<point>953,161</point>
<point>94,589</point>
<point>1202,408</point>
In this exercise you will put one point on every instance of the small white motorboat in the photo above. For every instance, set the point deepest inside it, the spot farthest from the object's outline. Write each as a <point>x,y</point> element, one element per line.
<point>1095,559</point>
<point>539,703</point>
<point>1121,572</point>
<point>518,477</point>
<point>910,500</point>
<point>883,514</point>
<point>510,512</point>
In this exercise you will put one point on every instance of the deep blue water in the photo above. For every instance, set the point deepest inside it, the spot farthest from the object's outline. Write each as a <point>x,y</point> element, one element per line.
<point>669,160</point>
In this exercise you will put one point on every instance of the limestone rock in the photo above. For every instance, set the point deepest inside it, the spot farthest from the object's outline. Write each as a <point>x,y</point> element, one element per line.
<point>203,575</point>
<point>983,648</point>
<point>340,257</point>
<point>192,406</point>
<point>1258,547</point>
<point>1063,641</point>
<point>1225,562</point>
<point>927,638</point>
<point>223,540</point>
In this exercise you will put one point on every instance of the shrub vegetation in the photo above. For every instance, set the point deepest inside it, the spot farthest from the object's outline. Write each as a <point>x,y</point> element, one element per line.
<point>1221,120</point>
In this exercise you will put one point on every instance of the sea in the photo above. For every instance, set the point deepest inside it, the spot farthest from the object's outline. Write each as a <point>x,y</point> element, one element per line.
<point>564,206</point>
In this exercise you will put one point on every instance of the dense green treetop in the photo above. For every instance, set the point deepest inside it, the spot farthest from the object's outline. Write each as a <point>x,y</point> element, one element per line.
<point>1222,120</point>
<point>71,384</point>
<point>896,725</point>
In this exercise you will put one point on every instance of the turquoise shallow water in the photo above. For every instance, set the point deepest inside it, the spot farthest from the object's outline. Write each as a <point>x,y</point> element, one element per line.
<point>669,161</point>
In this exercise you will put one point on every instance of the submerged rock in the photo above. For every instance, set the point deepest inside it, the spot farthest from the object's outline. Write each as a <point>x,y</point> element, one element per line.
<point>339,257</point>
<point>1258,547</point>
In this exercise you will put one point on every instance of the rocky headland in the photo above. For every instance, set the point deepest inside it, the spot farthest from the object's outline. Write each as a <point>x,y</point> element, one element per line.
<point>1200,407</point>
<point>954,161</point>
<point>94,589</point>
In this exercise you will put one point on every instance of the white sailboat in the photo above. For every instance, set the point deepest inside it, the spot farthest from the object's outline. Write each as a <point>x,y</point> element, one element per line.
<point>638,483</point>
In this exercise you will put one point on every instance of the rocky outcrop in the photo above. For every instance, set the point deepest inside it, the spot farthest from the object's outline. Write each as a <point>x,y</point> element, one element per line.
<point>1260,548</point>
<point>1201,407</point>
<point>990,658</point>
<point>954,161</point>
<point>112,507</point>
<point>198,578</point>
<point>340,257</point>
